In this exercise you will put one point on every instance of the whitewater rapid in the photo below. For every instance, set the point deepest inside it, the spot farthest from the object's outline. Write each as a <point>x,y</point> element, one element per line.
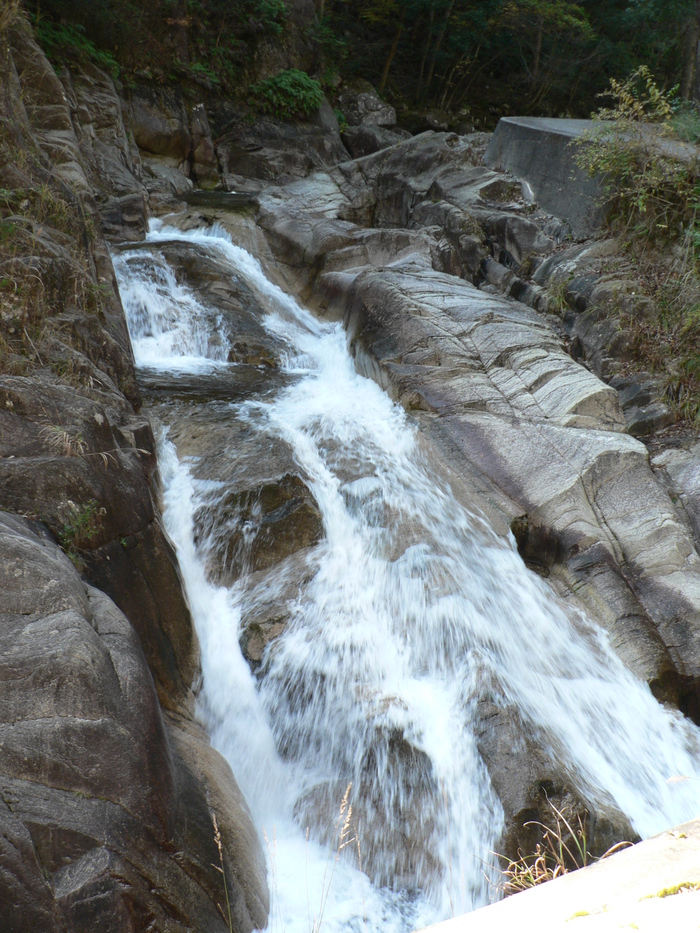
<point>413,606</point>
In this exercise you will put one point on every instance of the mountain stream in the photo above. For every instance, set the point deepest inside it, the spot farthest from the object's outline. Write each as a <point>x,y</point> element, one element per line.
<point>389,623</point>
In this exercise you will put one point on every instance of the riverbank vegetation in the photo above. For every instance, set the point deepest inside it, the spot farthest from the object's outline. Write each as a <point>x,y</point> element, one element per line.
<point>639,145</point>
<point>481,58</point>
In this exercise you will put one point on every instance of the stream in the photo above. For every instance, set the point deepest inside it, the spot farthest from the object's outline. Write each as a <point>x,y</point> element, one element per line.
<point>399,617</point>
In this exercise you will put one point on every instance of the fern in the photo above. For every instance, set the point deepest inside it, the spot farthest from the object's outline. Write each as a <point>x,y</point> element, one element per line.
<point>289,95</point>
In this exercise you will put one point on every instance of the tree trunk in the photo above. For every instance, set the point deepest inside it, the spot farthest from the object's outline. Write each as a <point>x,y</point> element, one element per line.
<point>690,45</point>
<point>436,48</point>
<point>538,50</point>
<point>390,57</point>
<point>424,56</point>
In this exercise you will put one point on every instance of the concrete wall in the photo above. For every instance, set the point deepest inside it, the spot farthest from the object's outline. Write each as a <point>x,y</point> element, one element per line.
<point>539,151</point>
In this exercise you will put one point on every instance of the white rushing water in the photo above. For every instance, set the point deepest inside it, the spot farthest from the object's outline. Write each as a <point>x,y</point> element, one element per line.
<point>415,608</point>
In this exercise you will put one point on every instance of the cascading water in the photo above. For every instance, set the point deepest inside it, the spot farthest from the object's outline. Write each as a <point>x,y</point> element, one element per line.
<point>412,605</point>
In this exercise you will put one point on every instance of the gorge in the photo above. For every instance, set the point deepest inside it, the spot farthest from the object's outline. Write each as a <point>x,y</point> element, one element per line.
<point>391,633</point>
<point>342,449</point>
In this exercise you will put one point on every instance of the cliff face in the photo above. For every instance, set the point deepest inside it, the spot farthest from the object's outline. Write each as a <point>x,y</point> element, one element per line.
<point>108,783</point>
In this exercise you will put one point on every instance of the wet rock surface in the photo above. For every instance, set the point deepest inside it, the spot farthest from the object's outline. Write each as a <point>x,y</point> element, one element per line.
<point>108,783</point>
<point>253,529</point>
<point>496,392</point>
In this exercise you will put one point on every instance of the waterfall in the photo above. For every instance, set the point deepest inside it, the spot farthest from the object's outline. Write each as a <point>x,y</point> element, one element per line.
<point>412,607</point>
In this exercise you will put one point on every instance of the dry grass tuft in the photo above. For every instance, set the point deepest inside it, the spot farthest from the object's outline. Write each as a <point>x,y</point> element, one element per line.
<point>564,848</point>
<point>10,14</point>
<point>221,868</point>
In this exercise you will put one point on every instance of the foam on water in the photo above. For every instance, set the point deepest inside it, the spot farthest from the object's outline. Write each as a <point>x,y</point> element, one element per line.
<point>415,606</point>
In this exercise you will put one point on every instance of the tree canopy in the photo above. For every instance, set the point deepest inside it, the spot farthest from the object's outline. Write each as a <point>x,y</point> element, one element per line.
<point>550,57</point>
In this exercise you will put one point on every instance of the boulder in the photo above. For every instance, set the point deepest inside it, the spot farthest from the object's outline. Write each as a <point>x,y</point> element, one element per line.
<point>271,149</point>
<point>362,106</point>
<point>536,792</point>
<point>159,122</point>
<point>368,138</point>
<point>253,529</point>
<point>107,811</point>
<point>204,162</point>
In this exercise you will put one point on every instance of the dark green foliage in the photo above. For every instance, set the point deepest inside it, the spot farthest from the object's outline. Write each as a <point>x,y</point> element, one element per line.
<point>210,42</point>
<point>272,15</point>
<point>66,43</point>
<point>487,57</point>
<point>289,95</point>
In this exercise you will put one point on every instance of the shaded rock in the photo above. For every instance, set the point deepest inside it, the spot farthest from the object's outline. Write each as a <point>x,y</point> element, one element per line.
<point>204,162</point>
<point>74,464</point>
<point>519,237</point>
<point>159,122</point>
<point>532,788</point>
<point>273,150</point>
<point>399,830</point>
<point>648,418</point>
<point>107,809</point>
<point>163,175</point>
<point>421,121</point>
<point>266,604</point>
<point>256,528</point>
<point>368,138</point>
<point>109,151</point>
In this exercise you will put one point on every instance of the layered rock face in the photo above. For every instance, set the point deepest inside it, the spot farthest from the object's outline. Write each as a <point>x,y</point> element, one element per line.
<point>492,384</point>
<point>109,785</point>
<point>396,244</point>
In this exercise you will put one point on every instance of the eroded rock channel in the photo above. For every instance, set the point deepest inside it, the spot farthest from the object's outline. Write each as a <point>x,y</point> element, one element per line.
<point>340,472</point>
<point>365,621</point>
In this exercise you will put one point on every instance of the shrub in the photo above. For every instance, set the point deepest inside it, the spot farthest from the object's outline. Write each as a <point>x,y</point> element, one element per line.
<point>686,122</point>
<point>289,95</point>
<point>272,14</point>
<point>652,183</point>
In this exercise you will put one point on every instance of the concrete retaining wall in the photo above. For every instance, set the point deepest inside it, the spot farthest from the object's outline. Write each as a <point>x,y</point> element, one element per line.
<point>539,151</point>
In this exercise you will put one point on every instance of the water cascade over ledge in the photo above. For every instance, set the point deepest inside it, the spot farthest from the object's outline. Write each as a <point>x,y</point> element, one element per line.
<point>406,610</point>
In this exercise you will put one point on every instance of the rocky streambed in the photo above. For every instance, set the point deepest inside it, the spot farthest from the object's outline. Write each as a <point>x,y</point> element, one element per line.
<point>430,571</point>
<point>396,648</point>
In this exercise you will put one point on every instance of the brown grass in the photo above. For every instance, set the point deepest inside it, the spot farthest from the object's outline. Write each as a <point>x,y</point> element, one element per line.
<point>10,14</point>
<point>564,848</point>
